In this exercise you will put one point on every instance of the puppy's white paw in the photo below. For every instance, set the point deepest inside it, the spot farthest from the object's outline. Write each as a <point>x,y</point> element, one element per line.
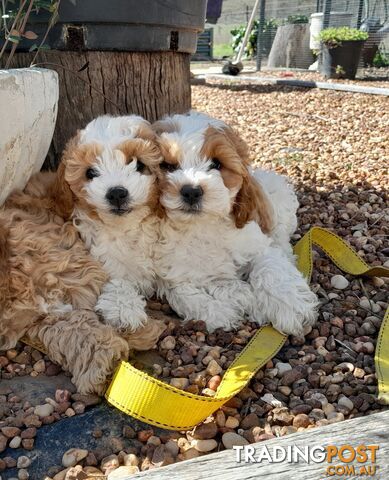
<point>122,306</point>
<point>236,294</point>
<point>221,315</point>
<point>282,296</point>
<point>289,312</point>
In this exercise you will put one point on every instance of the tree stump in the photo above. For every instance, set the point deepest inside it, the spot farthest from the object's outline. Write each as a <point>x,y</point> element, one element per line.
<point>150,84</point>
<point>290,48</point>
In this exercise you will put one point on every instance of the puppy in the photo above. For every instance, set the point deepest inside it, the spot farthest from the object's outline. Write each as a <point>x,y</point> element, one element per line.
<point>224,247</point>
<point>106,185</point>
<point>49,285</point>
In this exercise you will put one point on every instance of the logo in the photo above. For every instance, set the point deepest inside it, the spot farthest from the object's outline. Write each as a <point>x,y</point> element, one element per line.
<point>343,460</point>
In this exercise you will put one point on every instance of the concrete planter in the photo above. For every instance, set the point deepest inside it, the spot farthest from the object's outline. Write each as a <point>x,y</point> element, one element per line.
<point>28,109</point>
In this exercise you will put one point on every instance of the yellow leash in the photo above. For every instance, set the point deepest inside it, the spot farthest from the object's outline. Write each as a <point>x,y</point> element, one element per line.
<point>150,400</point>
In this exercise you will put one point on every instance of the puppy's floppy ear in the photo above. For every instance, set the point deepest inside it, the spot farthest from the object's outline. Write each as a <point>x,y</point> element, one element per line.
<point>239,144</point>
<point>60,192</point>
<point>251,202</point>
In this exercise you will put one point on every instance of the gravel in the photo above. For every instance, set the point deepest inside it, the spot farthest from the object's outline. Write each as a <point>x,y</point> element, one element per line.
<point>335,148</point>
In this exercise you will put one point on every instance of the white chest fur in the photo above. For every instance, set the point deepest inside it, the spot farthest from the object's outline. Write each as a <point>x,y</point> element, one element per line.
<point>124,246</point>
<point>203,251</point>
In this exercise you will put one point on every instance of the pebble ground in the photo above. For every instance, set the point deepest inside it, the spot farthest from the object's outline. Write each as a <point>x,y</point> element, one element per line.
<point>335,148</point>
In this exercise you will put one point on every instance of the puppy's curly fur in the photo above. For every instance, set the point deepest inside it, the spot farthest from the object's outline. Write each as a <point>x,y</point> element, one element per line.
<point>49,286</point>
<point>53,281</point>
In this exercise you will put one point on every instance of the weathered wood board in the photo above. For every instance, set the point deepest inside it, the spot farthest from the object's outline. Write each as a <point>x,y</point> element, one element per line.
<point>369,430</point>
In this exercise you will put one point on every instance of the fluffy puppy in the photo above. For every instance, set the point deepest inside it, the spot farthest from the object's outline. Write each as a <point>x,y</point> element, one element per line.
<point>106,185</point>
<point>224,248</point>
<point>49,285</point>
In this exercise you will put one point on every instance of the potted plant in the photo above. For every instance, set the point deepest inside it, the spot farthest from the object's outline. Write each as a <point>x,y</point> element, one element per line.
<point>28,103</point>
<point>340,51</point>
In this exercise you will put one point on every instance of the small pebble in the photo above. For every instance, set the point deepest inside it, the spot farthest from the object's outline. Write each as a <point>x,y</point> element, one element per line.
<point>23,462</point>
<point>43,410</point>
<point>231,439</point>
<point>283,368</point>
<point>204,445</point>
<point>339,282</point>
<point>72,456</point>
<point>168,343</point>
<point>23,474</point>
<point>346,402</point>
<point>180,383</point>
<point>232,422</point>
<point>15,442</point>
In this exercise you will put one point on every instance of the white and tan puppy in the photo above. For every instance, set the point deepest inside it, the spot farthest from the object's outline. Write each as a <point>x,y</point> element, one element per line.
<point>107,187</point>
<point>224,248</point>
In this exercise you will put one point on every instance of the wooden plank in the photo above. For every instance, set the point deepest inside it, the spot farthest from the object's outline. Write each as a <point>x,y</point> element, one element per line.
<point>344,87</point>
<point>368,430</point>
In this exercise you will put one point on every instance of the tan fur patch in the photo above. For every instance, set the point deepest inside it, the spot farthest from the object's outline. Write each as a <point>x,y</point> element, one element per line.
<point>48,265</point>
<point>170,150</point>
<point>146,132</point>
<point>144,150</point>
<point>251,202</point>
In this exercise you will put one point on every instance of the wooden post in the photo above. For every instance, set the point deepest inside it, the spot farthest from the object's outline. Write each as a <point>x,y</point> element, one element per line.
<point>150,84</point>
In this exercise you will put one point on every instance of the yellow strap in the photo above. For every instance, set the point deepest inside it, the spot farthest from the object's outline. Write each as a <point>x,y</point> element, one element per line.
<point>148,399</point>
<point>382,359</point>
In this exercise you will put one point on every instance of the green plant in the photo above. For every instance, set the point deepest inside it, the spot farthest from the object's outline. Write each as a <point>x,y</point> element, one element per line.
<point>295,19</point>
<point>334,37</point>
<point>14,19</point>
<point>340,70</point>
<point>381,59</point>
<point>269,31</point>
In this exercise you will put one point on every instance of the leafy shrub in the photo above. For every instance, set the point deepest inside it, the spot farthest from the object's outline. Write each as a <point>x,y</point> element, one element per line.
<point>381,59</point>
<point>14,19</point>
<point>269,31</point>
<point>295,19</point>
<point>335,36</point>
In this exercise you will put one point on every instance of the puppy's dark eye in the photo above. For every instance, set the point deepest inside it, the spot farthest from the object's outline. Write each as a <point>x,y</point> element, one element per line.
<point>168,167</point>
<point>91,173</point>
<point>215,164</point>
<point>140,166</point>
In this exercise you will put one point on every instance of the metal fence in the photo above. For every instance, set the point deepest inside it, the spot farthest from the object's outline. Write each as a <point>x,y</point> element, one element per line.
<point>287,31</point>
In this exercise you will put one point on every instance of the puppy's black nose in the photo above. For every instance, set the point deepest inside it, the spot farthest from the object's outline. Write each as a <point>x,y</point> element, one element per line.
<point>191,194</point>
<point>117,196</point>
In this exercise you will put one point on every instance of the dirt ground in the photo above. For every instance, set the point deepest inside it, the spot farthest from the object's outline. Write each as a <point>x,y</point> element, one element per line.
<point>334,146</point>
